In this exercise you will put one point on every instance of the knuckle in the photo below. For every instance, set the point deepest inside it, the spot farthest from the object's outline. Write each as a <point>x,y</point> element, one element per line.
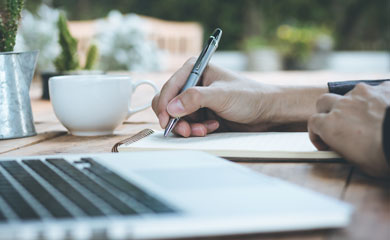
<point>344,101</point>
<point>361,89</point>
<point>362,104</point>
<point>322,100</point>
<point>334,115</point>
<point>323,96</point>
<point>193,95</point>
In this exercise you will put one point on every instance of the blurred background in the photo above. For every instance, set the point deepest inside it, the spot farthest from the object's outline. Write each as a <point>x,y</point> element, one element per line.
<point>258,35</point>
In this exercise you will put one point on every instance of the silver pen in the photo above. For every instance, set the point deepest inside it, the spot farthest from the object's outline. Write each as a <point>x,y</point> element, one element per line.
<point>197,71</point>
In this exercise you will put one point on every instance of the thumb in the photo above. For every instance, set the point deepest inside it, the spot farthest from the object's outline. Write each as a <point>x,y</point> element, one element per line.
<point>191,100</point>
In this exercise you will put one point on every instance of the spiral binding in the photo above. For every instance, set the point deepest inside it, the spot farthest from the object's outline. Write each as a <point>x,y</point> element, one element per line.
<point>136,137</point>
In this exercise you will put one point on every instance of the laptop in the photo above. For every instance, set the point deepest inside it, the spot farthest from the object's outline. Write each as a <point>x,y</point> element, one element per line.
<point>152,195</point>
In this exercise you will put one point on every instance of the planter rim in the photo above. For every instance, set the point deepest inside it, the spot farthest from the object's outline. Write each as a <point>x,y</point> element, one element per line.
<point>18,52</point>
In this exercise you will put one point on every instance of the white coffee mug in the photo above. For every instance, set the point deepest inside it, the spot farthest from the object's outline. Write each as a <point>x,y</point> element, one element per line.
<point>92,105</point>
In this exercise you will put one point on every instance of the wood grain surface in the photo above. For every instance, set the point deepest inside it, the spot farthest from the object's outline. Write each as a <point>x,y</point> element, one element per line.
<point>370,197</point>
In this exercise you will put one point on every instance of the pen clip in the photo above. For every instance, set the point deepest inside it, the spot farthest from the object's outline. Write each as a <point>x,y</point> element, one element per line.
<point>198,63</point>
<point>205,55</point>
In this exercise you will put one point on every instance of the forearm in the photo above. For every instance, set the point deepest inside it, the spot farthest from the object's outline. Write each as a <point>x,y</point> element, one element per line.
<point>294,104</point>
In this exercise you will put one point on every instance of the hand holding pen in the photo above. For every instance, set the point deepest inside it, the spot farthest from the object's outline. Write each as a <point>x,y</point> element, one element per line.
<point>228,101</point>
<point>197,71</point>
<point>223,100</point>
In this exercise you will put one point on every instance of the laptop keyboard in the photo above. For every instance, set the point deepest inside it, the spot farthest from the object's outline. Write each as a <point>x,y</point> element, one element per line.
<point>55,188</point>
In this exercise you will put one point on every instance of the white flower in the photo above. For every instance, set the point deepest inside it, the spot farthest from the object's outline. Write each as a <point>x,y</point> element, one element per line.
<point>123,44</point>
<point>39,32</point>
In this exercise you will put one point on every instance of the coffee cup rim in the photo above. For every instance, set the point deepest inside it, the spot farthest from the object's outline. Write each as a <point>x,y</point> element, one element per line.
<point>83,77</point>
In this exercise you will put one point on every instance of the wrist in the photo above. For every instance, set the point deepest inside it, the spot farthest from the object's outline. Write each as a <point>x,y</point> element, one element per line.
<point>292,104</point>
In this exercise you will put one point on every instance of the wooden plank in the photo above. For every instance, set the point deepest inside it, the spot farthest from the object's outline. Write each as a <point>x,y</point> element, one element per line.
<point>20,143</point>
<point>371,198</point>
<point>69,144</point>
<point>43,111</point>
<point>46,131</point>
<point>327,178</point>
<point>46,125</point>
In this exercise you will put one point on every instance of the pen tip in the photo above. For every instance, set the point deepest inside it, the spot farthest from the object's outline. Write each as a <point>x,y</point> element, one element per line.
<point>171,125</point>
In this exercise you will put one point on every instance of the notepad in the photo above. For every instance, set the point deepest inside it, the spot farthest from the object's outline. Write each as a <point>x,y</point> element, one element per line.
<point>235,145</point>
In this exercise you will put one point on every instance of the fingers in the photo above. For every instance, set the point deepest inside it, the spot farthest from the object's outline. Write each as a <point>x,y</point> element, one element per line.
<point>170,90</point>
<point>163,116</point>
<point>317,125</point>
<point>326,102</point>
<point>361,89</point>
<point>317,142</point>
<point>185,129</point>
<point>202,129</point>
<point>182,128</point>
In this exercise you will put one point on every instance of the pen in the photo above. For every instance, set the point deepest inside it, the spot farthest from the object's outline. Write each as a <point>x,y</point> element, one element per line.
<point>197,71</point>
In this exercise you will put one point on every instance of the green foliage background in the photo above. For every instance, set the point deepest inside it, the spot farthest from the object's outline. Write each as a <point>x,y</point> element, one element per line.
<point>356,24</point>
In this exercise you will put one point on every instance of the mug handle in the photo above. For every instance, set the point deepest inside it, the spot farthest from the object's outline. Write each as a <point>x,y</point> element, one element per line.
<point>134,86</point>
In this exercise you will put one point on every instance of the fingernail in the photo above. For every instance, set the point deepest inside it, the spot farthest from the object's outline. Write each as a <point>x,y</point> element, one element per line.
<point>179,129</point>
<point>175,107</point>
<point>211,125</point>
<point>198,129</point>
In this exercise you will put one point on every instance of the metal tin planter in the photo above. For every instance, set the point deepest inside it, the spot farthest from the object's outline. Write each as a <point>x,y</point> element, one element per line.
<point>16,74</point>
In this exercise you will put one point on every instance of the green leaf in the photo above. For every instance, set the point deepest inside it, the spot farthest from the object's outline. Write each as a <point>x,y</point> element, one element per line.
<point>92,57</point>
<point>68,58</point>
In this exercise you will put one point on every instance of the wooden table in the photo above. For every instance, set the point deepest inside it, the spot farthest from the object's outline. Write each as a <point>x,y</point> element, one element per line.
<point>369,196</point>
